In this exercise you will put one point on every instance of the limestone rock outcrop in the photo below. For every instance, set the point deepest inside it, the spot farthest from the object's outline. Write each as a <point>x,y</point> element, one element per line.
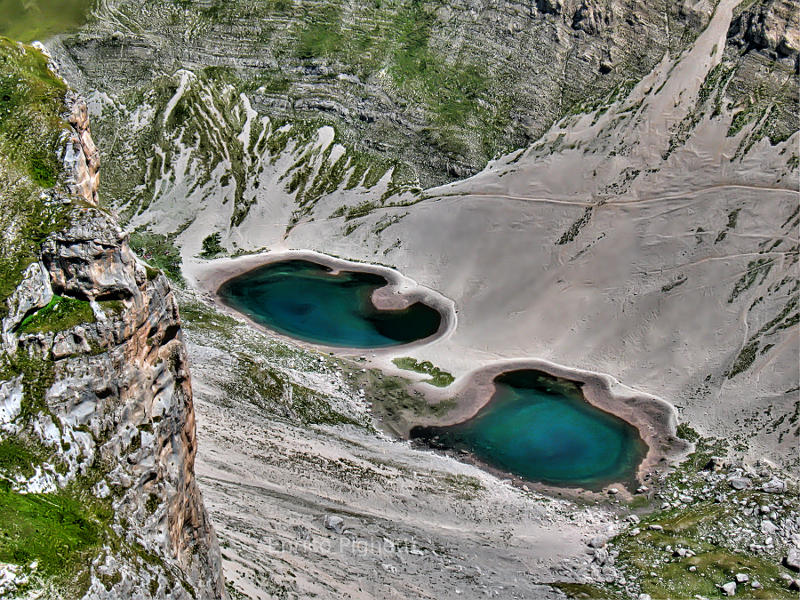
<point>771,27</point>
<point>95,386</point>
<point>81,156</point>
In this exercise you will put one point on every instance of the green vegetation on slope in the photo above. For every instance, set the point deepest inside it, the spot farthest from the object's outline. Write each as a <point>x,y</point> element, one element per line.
<point>438,378</point>
<point>457,93</point>
<point>159,251</point>
<point>20,457</point>
<point>60,531</point>
<point>714,563</point>
<point>212,246</point>
<point>31,104</point>
<point>60,314</point>
<point>707,528</point>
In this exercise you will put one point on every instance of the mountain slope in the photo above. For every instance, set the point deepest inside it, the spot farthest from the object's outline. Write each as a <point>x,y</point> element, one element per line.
<point>97,434</point>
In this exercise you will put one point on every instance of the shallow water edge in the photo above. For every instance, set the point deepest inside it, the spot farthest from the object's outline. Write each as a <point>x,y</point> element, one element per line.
<point>654,418</point>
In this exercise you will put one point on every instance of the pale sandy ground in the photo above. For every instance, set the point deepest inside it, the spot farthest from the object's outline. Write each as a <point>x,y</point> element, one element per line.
<point>598,303</point>
<point>411,529</point>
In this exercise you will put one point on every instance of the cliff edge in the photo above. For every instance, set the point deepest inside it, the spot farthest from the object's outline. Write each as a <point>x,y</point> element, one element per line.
<point>98,497</point>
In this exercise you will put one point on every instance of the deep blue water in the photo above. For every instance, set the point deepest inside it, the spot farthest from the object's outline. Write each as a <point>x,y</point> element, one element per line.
<point>541,429</point>
<point>302,299</point>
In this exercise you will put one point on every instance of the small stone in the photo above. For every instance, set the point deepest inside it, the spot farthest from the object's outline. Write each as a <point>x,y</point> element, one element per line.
<point>656,527</point>
<point>774,486</point>
<point>101,489</point>
<point>685,499</point>
<point>633,519</point>
<point>742,578</point>
<point>739,483</point>
<point>636,531</point>
<point>334,523</point>
<point>600,556</point>
<point>756,585</point>
<point>597,542</point>
<point>613,491</point>
<point>644,597</point>
<point>729,588</point>
<point>692,569</point>
<point>768,527</point>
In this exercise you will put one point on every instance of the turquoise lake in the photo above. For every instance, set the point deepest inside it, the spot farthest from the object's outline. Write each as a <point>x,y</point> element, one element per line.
<point>305,300</point>
<point>540,428</point>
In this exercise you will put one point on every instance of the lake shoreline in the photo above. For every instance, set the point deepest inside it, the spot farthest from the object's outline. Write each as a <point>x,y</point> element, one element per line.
<point>654,418</point>
<point>399,293</point>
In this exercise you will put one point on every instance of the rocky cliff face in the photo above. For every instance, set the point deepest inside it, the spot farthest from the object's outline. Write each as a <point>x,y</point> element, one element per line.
<point>96,413</point>
<point>440,87</point>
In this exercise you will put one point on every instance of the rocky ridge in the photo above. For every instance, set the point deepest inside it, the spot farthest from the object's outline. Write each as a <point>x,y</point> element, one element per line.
<point>97,415</point>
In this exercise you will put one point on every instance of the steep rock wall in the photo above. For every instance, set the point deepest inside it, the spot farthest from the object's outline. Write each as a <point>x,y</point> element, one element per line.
<point>96,412</point>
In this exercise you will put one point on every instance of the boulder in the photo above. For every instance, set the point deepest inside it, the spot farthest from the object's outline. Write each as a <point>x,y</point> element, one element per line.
<point>774,486</point>
<point>334,523</point>
<point>792,559</point>
<point>739,483</point>
<point>729,588</point>
<point>716,463</point>
<point>597,542</point>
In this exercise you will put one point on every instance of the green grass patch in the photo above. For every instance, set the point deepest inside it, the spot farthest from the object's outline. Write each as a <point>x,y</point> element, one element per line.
<point>61,531</point>
<point>60,314</point>
<point>715,565</point>
<point>212,246</point>
<point>438,378</point>
<point>31,105</point>
<point>396,403</point>
<point>19,457</point>
<point>37,376</point>
<point>322,34</point>
<point>198,316</point>
<point>159,251</point>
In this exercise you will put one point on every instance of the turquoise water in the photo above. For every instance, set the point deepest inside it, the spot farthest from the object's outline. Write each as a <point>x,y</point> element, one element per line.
<point>541,429</point>
<point>304,300</point>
